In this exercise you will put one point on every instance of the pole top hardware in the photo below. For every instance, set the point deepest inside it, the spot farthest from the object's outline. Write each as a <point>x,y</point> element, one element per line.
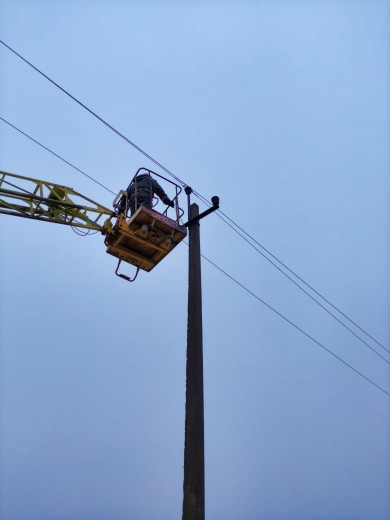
<point>215,206</point>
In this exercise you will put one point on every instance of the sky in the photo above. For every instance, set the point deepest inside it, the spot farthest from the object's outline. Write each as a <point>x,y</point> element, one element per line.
<point>281,108</point>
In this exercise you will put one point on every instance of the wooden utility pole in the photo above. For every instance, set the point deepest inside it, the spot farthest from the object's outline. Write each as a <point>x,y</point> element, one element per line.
<point>194,473</point>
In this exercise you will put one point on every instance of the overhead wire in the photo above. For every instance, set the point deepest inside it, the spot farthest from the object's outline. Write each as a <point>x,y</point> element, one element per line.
<point>81,233</point>
<point>295,326</point>
<point>180,181</point>
<point>241,232</point>
<point>302,288</point>
<point>96,115</point>
<point>301,280</point>
<point>204,200</point>
<point>56,155</point>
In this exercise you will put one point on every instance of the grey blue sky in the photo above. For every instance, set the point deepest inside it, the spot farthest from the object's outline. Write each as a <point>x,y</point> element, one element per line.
<point>282,109</point>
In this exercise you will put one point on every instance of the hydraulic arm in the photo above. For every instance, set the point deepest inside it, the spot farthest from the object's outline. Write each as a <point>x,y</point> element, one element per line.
<point>142,240</point>
<point>41,200</point>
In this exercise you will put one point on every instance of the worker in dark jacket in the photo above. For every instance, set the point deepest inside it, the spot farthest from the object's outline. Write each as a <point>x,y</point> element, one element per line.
<point>141,192</point>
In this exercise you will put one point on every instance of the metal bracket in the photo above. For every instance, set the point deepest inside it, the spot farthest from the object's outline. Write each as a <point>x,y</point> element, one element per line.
<point>215,206</point>
<point>127,278</point>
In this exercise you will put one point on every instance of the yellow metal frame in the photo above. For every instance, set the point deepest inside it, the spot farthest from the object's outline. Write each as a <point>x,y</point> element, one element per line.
<point>27,197</point>
<point>144,239</point>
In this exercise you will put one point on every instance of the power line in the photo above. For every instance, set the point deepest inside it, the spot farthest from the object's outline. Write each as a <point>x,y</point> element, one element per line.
<point>217,267</point>
<point>235,230</point>
<point>95,115</point>
<point>53,153</point>
<point>294,325</point>
<point>180,181</point>
<point>307,285</point>
<point>231,224</point>
<point>307,293</point>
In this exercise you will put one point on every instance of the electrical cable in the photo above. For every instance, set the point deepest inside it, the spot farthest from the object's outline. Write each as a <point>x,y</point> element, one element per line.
<point>56,155</point>
<point>219,213</point>
<point>294,325</point>
<point>206,202</point>
<point>309,295</point>
<point>217,267</point>
<point>78,231</point>
<point>307,285</point>
<point>95,115</point>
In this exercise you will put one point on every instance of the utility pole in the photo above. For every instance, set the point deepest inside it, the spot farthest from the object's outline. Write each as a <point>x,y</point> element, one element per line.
<point>194,486</point>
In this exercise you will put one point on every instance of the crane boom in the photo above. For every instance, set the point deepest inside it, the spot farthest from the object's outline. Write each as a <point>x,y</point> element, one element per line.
<point>26,197</point>
<point>142,240</point>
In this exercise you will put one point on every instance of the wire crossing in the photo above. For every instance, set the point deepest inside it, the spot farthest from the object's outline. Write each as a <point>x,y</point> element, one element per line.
<point>241,231</point>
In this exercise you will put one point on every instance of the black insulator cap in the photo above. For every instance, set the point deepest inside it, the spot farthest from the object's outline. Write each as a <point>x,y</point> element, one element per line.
<point>215,200</point>
<point>188,190</point>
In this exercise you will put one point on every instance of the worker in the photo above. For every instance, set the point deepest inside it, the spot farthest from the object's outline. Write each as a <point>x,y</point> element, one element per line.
<point>140,193</point>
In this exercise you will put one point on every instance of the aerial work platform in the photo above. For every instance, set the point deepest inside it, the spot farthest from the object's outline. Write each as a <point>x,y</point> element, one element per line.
<point>142,240</point>
<point>145,238</point>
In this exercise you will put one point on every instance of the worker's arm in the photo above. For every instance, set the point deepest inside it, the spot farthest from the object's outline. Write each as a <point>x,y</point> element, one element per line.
<point>161,193</point>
